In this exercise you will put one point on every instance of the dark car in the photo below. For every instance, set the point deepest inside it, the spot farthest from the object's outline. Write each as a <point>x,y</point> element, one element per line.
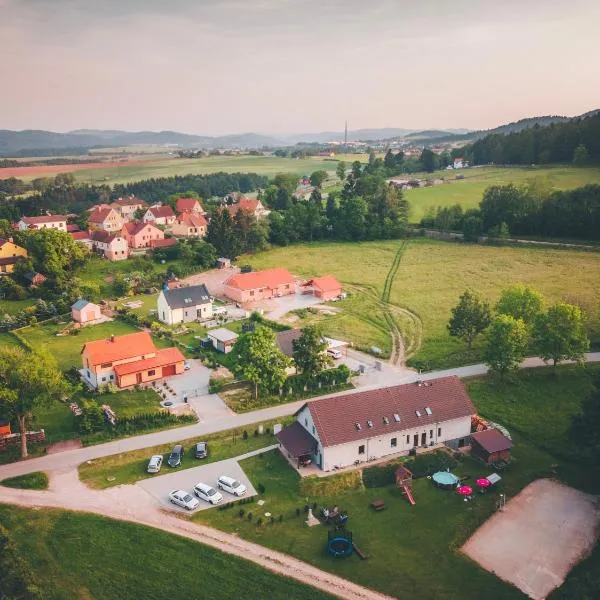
<point>175,456</point>
<point>201,450</point>
<point>246,268</point>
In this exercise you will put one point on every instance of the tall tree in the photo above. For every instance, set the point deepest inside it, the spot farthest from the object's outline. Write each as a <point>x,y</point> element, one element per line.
<point>340,170</point>
<point>28,382</point>
<point>390,160</point>
<point>283,199</point>
<point>317,178</point>
<point>428,160</point>
<point>310,352</point>
<point>584,432</point>
<point>520,302</point>
<point>470,317</point>
<point>222,234</point>
<point>581,156</point>
<point>260,361</point>
<point>506,344</point>
<point>559,334</point>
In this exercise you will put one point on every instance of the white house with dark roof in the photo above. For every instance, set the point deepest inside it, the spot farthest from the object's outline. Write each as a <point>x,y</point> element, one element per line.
<point>184,305</point>
<point>340,431</point>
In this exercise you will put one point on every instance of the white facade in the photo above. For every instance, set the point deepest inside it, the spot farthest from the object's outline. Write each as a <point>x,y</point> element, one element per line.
<point>187,314</point>
<point>379,446</point>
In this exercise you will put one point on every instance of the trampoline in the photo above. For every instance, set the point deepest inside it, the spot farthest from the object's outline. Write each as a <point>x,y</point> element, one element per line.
<point>445,480</point>
<point>339,543</point>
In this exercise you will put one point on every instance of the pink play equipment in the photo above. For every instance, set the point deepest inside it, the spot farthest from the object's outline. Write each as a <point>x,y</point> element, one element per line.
<point>404,482</point>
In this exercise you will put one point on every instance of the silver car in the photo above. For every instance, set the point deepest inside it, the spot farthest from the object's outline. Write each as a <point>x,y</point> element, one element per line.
<point>183,499</point>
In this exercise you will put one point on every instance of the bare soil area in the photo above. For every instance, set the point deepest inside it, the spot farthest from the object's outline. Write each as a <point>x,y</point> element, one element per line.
<point>538,538</point>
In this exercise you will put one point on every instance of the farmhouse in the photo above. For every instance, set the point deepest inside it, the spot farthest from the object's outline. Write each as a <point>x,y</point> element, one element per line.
<point>253,207</point>
<point>139,235</point>
<point>184,304</point>
<point>112,245</point>
<point>128,360</point>
<point>190,225</point>
<point>222,339</point>
<point>160,215</point>
<point>43,222</point>
<point>85,312</point>
<point>259,285</point>
<point>326,287</point>
<point>10,254</point>
<point>127,206</point>
<point>340,431</point>
<point>189,206</point>
<point>491,446</point>
<point>106,219</point>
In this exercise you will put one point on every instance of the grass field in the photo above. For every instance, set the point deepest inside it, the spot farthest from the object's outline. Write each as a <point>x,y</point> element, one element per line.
<point>421,542</point>
<point>468,191</point>
<point>129,467</point>
<point>31,481</point>
<point>74,555</point>
<point>431,277</point>
<point>12,307</point>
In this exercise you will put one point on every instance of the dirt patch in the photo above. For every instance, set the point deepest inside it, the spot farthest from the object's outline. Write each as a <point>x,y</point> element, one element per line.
<point>538,538</point>
<point>214,280</point>
<point>64,446</point>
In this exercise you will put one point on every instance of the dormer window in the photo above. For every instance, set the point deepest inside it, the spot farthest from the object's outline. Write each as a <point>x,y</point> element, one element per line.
<point>418,413</point>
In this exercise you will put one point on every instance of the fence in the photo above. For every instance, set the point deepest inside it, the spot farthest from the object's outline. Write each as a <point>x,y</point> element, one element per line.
<point>13,439</point>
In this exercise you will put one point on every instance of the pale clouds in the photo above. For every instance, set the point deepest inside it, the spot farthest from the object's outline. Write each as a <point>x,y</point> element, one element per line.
<point>217,66</point>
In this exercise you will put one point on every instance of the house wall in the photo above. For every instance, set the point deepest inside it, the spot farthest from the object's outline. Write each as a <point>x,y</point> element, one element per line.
<point>118,249</point>
<point>97,375</point>
<point>143,237</point>
<point>329,295</point>
<point>261,293</point>
<point>183,230</point>
<point>344,455</point>
<point>182,315</point>
<point>62,225</point>
<point>488,458</point>
<point>9,250</point>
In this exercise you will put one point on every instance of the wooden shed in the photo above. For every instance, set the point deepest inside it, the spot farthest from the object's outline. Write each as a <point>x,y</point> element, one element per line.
<point>491,446</point>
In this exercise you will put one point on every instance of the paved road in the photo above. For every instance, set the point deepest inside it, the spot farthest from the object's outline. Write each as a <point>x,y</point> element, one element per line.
<point>72,458</point>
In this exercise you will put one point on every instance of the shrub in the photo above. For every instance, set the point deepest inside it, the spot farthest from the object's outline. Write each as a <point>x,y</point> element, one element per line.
<point>329,486</point>
<point>241,512</point>
<point>260,488</point>
<point>374,477</point>
<point>245,435</point>
<point>427,464</point>
<point>280,518</point>
<point>249,517</point>
<point>256,433</point>
<point>298,511</point>
<point>259,521</point>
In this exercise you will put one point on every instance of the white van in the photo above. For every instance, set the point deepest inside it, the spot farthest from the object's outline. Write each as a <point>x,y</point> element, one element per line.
<point>208,493</point>
<point>155,464</point>
<point>231,485</point>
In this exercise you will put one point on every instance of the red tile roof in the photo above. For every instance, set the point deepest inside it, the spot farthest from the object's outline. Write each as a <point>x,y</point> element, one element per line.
<point>248,204</point>
<point>72,228</point>
<point>184,205</point>
<point>162,211</point>
<point>492,440</point>
<point>98,207</point>
<point>129,201</point>
<point>296,440</point>
<point>104,237</point>
<point>327,283</point>
<point>43,219</point>
<point>79,236</point>
<point>165,243</point>
<point>121,347</point>
<point>336,417</point>
<point>164,357</point>
<point>99,215</point>
<point>135,228</point>
<point>269,278</point>
<point>193,220</point>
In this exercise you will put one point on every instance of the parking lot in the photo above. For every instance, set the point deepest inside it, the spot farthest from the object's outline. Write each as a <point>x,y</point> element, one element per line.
<point>159,486</point>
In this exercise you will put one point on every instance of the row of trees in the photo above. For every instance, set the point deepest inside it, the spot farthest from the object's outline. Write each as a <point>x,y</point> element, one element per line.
<point>518,325</point>
<point>575,141</point>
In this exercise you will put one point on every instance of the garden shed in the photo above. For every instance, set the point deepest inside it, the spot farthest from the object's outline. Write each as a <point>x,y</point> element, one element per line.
<point>491,446</point>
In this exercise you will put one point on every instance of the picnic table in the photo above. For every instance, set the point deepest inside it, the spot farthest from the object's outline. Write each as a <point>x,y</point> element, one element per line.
<point>378,505</point>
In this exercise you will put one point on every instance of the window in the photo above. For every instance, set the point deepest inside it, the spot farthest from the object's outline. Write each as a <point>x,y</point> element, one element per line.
<point>394,442</point>
<point>306,422</point>
<point>361,449</point>
<point>112,377</point>
<point>408,439</point>
<point>431,434</point>
<point>152,372</point>
<point>439,431</point>
<point>106,365</point>
<point>252,292</point>
<point>88,374</point>
<point>104,379</point>
<point>313,428</point>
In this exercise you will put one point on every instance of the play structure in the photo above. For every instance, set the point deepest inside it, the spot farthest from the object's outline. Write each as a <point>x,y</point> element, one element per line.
<point>444,480</point>
<point>339,543</point>
<point>404,482</point>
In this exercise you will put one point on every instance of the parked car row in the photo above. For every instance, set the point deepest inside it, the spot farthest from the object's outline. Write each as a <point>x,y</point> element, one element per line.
<point>207,493</point>
<point>176,456</point>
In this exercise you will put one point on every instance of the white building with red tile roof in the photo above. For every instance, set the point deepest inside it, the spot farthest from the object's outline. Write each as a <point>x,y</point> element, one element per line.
<point>259,285</point>
<point>189,205</point>
<point>252,206</point>
<point>160,215</point>
<point>190,225</point>
<point>43,222</point>
<point>339,431</point>
<point>107,219</point>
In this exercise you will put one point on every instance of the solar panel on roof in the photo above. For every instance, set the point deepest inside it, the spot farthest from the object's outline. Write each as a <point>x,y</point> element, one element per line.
<point>418,413</point>
<point>397,417</point>
<point>370,423</point>
<point>428,410</point>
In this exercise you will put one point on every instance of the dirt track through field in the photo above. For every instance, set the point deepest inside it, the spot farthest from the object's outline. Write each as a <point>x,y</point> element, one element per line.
<point>132,503</point>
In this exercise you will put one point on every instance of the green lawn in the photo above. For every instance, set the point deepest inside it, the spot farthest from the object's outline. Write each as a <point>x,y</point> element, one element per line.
<point>12,307</point>
<point>72,555</point>
<point>7,339</point>
<point>31,481</point>
<point>431,277</point>
<point>130,467</point>
<point>67,349</point>
<point>422,542</point>
<point>468,191</point>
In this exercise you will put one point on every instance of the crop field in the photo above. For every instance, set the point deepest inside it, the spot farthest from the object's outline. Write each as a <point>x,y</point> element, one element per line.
<point>431,277</point>
<point>468,191</point>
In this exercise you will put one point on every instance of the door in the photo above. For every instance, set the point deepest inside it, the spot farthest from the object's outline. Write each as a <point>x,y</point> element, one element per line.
<point>168,370</point>
<point>424,439</point>
<point>139,378</point>
<point>416,440</point>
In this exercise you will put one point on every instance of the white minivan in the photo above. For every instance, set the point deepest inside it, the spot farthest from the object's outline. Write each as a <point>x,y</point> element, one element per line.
<point>155,464</point>
<point>208,493</point>
<point>231,485</point>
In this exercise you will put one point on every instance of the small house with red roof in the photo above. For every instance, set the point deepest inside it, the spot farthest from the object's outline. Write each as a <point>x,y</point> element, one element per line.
<point>127,206</point>
<point>190,225</point>
<point>112,246</point>
<point>325,288</point>
<point>43,222</point>
<point>340,431</point>
<point>259,285</point>
<point>189,206</point>
<point>252,206</point>
<point>160,215</point>
<point>139,235</point>
<point>491,446</point>
<point>83,237</point>
<point>106,219</point>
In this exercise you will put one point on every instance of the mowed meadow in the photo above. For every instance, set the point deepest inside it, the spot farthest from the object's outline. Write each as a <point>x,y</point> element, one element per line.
<point>429,281</point>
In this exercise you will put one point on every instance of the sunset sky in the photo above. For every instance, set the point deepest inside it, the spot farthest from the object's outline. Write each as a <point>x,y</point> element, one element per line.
<point>275,66</point>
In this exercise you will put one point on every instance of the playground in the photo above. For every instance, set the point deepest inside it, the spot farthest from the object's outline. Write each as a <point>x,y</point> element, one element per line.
<point>538,537</point>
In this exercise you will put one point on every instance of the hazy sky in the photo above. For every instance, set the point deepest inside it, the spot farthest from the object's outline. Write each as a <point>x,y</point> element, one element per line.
<point>223,66</point>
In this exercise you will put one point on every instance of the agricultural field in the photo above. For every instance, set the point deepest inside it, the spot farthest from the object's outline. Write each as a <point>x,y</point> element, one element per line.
<point>468,191</point>
<point>73,555</point>
<point>430,278</point>
<point>422,541</point>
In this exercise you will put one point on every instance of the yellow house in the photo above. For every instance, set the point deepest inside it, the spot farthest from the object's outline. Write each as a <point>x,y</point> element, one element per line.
<point>10,253</point>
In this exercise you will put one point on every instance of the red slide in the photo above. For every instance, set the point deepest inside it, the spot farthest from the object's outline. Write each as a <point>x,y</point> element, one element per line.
<point>409,495</point>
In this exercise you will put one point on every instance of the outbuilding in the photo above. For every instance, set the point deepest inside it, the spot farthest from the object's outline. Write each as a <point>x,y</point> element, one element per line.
<point>222,339</point>
<point>85,312</point>
<point>325,288</point>
<point>491,446</point>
